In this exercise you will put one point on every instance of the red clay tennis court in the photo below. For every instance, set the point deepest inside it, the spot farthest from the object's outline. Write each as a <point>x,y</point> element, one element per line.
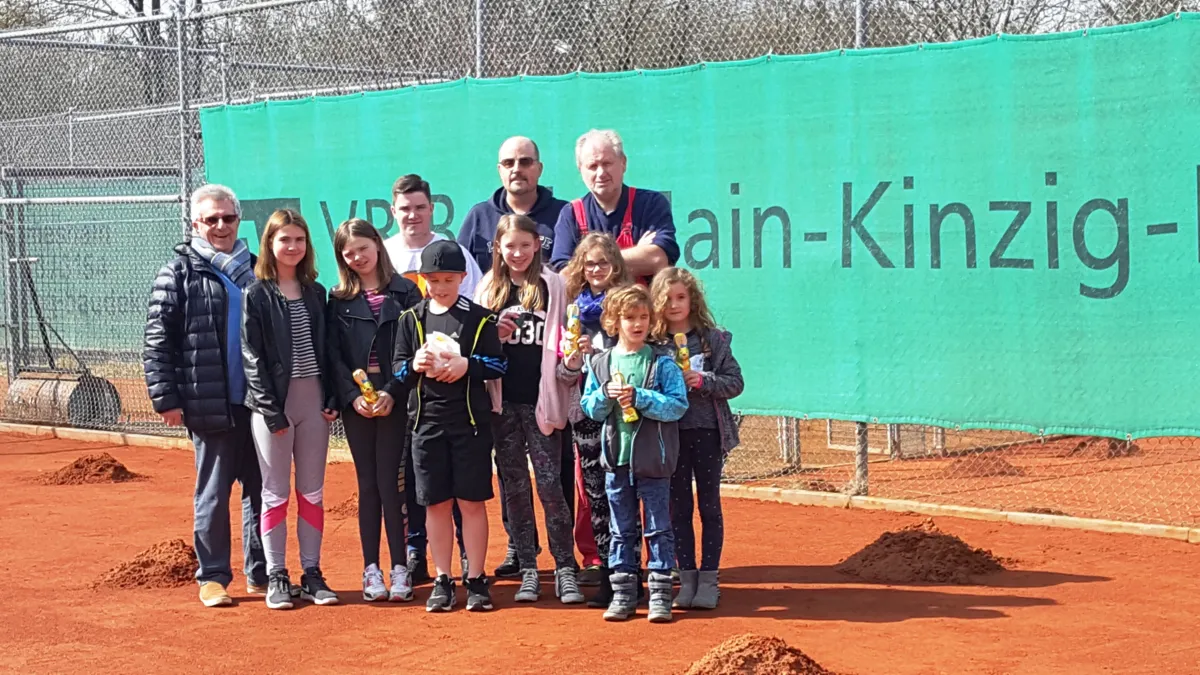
<point>1072,602</point>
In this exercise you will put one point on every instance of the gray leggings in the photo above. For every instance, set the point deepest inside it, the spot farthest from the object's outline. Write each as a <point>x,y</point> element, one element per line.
<point>306,441</point>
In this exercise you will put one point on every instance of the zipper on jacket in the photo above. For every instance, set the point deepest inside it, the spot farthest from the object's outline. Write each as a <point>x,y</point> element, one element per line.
<point>474,344</point>
<point>421,379</point>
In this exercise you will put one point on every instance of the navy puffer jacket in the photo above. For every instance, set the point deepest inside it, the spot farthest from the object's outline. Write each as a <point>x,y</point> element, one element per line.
<point>184,351</point>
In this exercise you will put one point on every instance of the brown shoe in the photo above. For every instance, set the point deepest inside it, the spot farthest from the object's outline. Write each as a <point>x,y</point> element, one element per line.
<point>256,589</point>
<point>213,594</point>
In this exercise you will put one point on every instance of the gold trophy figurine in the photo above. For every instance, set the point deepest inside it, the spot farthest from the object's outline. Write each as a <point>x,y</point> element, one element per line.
<point>368,390</point>
<point>630,414</point>
<point>683,358</point>
<point>574,329</point>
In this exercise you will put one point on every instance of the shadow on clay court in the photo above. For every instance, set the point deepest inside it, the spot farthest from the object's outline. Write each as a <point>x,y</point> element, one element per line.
<point>826,574</point>
<point>860,605</point>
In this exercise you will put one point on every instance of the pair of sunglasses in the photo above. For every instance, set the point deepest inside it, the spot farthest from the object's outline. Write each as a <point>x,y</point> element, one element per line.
<point>228,219</point>
<point>523,162</point>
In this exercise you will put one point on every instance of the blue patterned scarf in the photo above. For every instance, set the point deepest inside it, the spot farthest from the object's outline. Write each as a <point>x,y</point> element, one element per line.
<point>590,308</point>
<point>235,265</point>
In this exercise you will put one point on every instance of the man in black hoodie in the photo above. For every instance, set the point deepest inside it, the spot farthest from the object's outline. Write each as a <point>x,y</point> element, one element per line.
<point>520,168</point>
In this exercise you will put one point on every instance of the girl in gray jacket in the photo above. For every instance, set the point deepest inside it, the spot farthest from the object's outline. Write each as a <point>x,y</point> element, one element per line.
<point>707,431</point>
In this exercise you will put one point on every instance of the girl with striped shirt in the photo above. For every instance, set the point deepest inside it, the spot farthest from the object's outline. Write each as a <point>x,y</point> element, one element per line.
<point>292,399</point>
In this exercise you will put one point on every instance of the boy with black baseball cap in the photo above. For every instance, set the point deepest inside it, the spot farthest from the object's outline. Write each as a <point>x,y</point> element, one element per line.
<point>446,347</point>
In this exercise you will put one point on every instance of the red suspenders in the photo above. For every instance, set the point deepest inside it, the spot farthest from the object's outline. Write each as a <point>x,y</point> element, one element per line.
<point>625,237</point>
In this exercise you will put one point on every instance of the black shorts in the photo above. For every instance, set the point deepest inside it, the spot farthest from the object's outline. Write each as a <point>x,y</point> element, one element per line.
<point>451,461</point>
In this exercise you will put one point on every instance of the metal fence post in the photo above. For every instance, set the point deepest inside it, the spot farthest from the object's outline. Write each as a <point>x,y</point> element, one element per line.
<point>184,131</point>
<point>478,39</point>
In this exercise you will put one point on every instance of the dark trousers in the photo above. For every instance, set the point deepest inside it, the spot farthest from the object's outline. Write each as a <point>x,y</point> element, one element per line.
<point>699,459</point>
<point>416,539</point>
<point>566,475</point>
<point>377,446</point>
<point>223,457</point>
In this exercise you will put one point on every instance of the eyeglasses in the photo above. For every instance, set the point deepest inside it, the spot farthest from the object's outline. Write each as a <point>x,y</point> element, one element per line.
<point>596,266</point>
<point>523,162</point>
<point>228,219</point>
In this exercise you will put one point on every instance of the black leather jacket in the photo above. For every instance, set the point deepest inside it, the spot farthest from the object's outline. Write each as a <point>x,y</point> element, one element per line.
<point>267,348</point>
<point>353,330</point>
<point>184,350</point>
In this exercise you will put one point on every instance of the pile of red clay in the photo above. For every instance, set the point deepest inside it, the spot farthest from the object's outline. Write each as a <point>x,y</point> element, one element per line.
<point>920,553</point>
<point>167,564</point>
<point>348,508</point>
<point>99,468</point>
<point>751,654</point>
<point>981,466</point>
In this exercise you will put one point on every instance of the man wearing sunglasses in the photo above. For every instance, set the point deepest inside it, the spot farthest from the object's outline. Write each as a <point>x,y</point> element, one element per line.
<point>194,376</point>
<point>520,168</point>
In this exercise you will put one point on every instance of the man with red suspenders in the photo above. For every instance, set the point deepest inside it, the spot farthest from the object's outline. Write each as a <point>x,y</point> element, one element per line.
<point>639,219</point>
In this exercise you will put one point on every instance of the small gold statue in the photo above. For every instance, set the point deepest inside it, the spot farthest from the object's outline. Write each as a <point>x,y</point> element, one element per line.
<point>368,390</point>
<point>630,414</point>
<point>683,357</point>
<point>574,329</point>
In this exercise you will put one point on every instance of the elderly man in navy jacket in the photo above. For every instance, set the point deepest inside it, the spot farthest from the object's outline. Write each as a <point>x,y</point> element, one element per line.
<point>639,219</point>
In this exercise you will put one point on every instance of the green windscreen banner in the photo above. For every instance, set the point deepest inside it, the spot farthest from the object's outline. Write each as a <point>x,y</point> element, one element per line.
<point>1001,233</point>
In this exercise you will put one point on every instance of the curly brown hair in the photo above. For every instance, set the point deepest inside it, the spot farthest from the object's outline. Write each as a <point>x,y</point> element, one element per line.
<point>573,273</point>
<point>622,301</point>
<point>700,318</point>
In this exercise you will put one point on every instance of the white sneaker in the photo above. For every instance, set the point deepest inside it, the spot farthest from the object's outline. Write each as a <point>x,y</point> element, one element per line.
<point>373,588</point>
<point>401,586</point>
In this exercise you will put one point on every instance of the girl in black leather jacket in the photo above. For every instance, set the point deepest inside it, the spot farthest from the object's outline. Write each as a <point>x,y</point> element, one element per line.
<point>362,314</point>
<point>291,398</point>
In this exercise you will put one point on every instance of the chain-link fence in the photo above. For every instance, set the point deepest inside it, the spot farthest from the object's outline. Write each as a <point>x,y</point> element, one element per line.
<point>100,144</point>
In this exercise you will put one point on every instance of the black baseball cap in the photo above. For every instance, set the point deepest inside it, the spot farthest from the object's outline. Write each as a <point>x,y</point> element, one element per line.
<point>443,255</point>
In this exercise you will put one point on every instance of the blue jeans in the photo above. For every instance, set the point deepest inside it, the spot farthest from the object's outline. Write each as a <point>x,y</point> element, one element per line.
<point>654,495</point>
<point>223,457</point>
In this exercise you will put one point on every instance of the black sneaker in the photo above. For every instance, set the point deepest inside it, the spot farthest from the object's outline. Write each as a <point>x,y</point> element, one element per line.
<point>418,569</point>
<point>443,597</point>
<point>279,590</point>
<point>314,589</point>
<point>510,568</point>
<point>479,598</point>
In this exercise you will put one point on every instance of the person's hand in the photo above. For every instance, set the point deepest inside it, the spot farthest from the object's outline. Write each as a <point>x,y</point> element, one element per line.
<point>647,239</point>
<point>329,414</point>
<point>173,417</point>
<point>453,369</point>
<point>574,361</point>
<point>362,407</point>
<point>423,361</point>
<point>383,407</point>
<point>693,379</point>
<point>625,398</point>
<point>506,326</point>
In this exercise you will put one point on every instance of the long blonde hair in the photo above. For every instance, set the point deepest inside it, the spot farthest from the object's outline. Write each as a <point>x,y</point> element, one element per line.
<point>699,317</point>
<point>495,293</point>
<point>573,273</point>
<point>349,283</point>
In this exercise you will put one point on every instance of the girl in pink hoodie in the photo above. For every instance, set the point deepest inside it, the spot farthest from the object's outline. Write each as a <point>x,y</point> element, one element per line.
<point>530,402</point>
